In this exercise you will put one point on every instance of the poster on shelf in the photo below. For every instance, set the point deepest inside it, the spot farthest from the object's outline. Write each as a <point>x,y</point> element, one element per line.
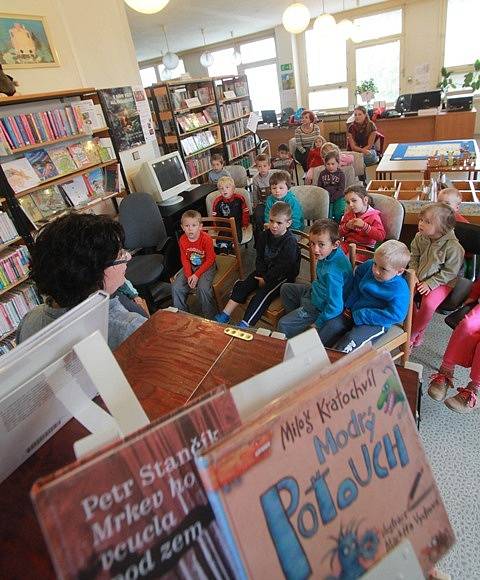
<point>252,123</point>
<point>123,117</point>
<point>143,109</point>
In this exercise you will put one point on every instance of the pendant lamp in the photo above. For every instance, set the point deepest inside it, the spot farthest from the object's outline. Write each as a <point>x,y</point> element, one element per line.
<point>345,27</point>
<point>325,24</point>
<point>296,18</point>
<point>206,58</point>
<point>147,6</point>
<point>170,60</point>
<point>236,56</point>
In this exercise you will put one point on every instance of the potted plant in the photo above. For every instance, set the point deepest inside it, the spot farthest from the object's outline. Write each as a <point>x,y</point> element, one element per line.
<point>446,82</point>
<point>366,90</point>
<point>472,78</point>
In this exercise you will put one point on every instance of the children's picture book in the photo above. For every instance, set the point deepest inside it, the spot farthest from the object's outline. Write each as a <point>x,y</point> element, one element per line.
<point>77,191</point>
<point>31,210</point>
<point>42,164</point>
<point>88,114</point>
<point>91,151</point>
<point>20,174</point>
<point>112,178</point>
<point>137,508</point>
<point>327,480</point>
<point>105,149</point>
<point>49,201</point>
<point>62,160</point>
<point>96,181</point>
<point>122,117</point>
<point>79,155</point>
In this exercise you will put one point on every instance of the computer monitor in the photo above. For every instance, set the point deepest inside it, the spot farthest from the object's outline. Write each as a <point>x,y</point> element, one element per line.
<point>269,116</point>
<point>164,178</point>
<point>31,373</point>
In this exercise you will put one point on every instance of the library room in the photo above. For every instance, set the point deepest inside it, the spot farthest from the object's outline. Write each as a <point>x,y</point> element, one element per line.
<point>229,230</point>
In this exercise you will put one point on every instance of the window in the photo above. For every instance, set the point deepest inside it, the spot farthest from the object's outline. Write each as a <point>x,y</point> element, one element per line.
<point>166,75</point>
<point>322,70</point>
<point>378,25</point>
<point>461,35</point>
<point>382,63</point>
<point>258,50</point>
<point>328,99</point>
<point>148,76</point>
<point>263,87</point>
<point>223,64</point>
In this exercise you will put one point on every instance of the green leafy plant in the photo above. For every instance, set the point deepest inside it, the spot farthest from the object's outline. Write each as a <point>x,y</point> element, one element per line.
<point>446,81</point>
<point>472,78</point>
<point>366,87</point>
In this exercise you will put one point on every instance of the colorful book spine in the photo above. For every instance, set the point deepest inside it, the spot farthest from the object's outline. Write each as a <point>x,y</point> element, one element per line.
<point>22,121</point>
<point>13,136</point>
<point>47,125</point>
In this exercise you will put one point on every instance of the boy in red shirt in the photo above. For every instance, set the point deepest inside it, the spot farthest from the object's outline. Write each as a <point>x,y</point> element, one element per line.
<point>231,204</point>
<point>198,261</point>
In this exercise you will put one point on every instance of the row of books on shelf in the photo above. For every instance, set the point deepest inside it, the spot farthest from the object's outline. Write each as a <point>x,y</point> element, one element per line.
<point>180,96</point>
<point>198,142</point>
<point>8,231</point>
<point>45,164</point>
<point>41,205</point>
<point>192,121</point>
<point>162,102</point>
<point>13,307</point>
<point>13,266</point>
<point>6,345</point>
<point>232,89</point>
<point>198,164</point>
<point>241,146</point>
<point>236,129</point>
<point>325,476</point>
<point>234,110</point>
<point>17,131</point>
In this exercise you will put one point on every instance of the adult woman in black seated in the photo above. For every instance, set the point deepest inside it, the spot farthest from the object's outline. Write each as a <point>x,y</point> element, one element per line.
<point>361,135</point>
<point>305,136</point>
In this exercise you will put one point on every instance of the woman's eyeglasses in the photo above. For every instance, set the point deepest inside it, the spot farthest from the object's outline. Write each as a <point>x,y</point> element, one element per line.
<point>122,258</point>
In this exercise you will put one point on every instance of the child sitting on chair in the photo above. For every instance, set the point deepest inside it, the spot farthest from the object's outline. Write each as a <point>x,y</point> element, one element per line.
<point>379,298</point>
<point>280,183</point>
<point>218,168</point>
<point>231,204</point>
<point>283,161</point>
<point>360,224</point>
<point>261,181</point>
<point>437,257</point>
<point>198,261</point>
<point>307,304</point>
<point>332,179</point>
<point>278,261</point>
<point>453,198</point>
<point>319,156</point>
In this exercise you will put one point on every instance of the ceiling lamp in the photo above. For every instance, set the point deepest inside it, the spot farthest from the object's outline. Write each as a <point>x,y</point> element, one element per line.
<point>296,18</point>
<point>147,6</point>
<point>325,24</point>
<point>236,56</point>
<point>357,35</point>
<point>170,60</point>
<point>206,58</point>
<point>345,27</point>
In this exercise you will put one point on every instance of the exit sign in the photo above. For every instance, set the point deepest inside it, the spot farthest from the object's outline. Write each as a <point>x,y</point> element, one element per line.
<point>286,66</point>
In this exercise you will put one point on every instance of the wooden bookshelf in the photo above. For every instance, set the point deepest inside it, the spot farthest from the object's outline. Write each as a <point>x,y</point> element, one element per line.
<point>202,128</point>
<point>202,151</point>
<point>33,97</point>
<point>237,137</point>
<point>9,243</point>
<point>236,118</point>
<point>8,334</point>
<point>189,109</point>
<point>242,154</point>
<point>17,283</point>
<point>55,141</point>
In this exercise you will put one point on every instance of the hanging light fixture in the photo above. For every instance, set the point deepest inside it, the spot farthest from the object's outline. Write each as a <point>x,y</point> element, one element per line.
<point>206,58</point>
<point>147,6</point>
<point>170,60</point>
<point>296,18</point>
<point>236,56</point>
<point>345,26</point>
<point>325,24</point>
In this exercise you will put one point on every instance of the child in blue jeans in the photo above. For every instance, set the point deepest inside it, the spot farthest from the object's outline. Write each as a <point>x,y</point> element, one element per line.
<point>379,298</point>
<point>324,299</point>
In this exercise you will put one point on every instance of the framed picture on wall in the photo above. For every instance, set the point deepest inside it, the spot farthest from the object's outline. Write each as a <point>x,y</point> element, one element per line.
<point>25,42</point>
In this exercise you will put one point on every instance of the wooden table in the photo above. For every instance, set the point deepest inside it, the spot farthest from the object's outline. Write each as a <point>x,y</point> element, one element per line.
<point>169,360</point>
<point>387,167</point>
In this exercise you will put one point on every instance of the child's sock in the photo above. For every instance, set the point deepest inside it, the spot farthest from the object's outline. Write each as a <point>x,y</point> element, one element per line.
<point>222,317</point>
<point>243,324</point>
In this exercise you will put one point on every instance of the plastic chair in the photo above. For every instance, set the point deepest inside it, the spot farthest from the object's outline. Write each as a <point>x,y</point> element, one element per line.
<point>392,214</point>
<point>358,165</point>
<point>314,201</point>
<point>154,253</point>
<point>397,336</point>
<point>239,175</point>
<point>248,232</point>
<point>224,230</point>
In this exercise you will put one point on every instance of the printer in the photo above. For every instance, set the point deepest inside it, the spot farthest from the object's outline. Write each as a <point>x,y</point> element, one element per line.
<point>461,100</point>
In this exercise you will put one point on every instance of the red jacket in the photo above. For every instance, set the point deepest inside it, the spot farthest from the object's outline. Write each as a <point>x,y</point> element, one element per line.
<point>199,254</point>
<point>314,158</point>
<point>373,231</point>
<point>460,218</point>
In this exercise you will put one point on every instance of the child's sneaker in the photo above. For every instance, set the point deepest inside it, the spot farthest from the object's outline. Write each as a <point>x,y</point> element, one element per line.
<point>222,317</point>
<point>243,324</point>
<point>439,385</point>
<point>465,400</point>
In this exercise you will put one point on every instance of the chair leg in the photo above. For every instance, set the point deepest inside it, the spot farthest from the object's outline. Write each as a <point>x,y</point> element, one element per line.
<point>296,174</point>
<point>406,354</point>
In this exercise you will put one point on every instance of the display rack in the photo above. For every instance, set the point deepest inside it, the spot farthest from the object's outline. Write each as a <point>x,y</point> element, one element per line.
<point>201,117</point>
<point>44,124</point>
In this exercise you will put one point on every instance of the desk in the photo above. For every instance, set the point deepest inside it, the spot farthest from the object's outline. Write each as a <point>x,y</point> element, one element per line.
<point>194,199</point>
<point>163,376</point>
<point>387,167</point>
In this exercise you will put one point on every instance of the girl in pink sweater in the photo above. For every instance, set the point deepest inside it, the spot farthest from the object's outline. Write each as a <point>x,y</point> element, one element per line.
<point>360,224</point>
